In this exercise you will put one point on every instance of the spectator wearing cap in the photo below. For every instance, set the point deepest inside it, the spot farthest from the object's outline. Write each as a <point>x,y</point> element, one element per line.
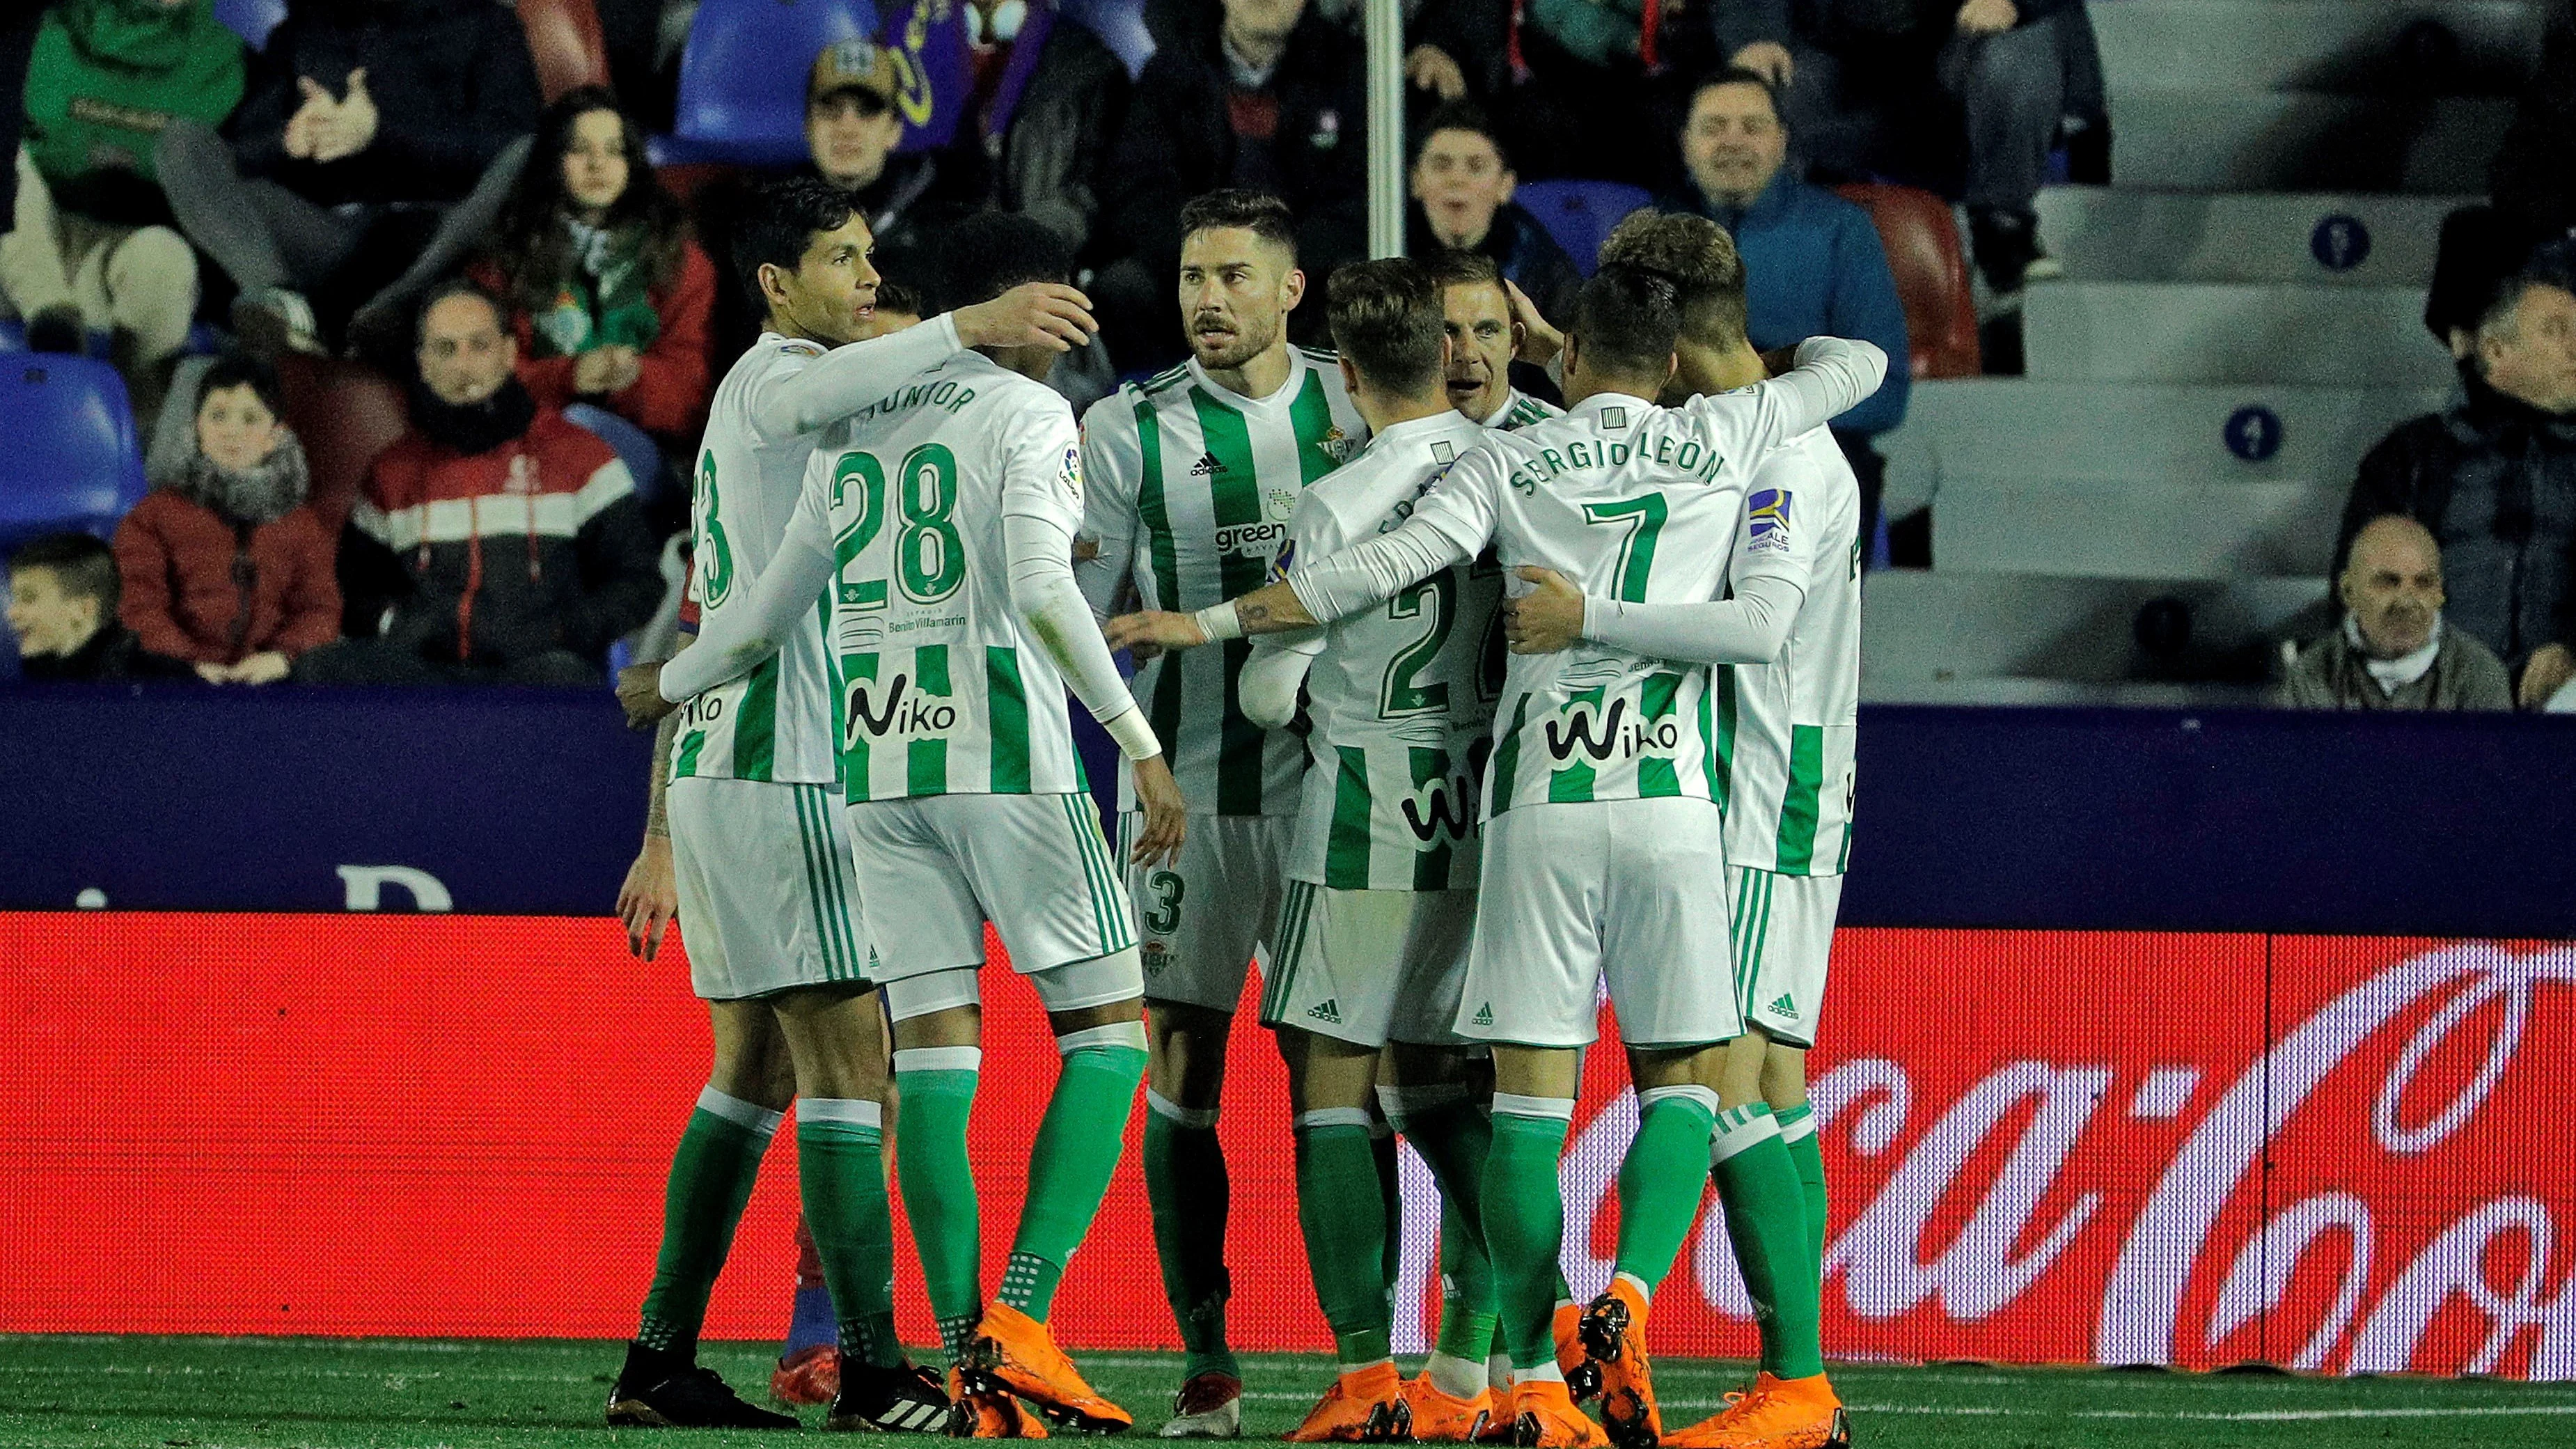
<point>376,148</point>
<point>852,128</point>
<point>2493,479</point>
<point>89,245</point>
<point>495,542</point>
<point>1462,201</point>
<point>225,565</point>
<point>1859,77</point>
<point>610,298</point>
<point>2392,651</point>
<point>1270,99</point>
<point>1813,262</point>
<point>62,608</point>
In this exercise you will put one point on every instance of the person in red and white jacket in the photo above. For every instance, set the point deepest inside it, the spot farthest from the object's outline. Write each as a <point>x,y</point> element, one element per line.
<point>495,541</point>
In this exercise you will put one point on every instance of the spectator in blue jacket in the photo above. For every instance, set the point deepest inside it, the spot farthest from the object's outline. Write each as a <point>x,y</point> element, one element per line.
<point>1813,261</point>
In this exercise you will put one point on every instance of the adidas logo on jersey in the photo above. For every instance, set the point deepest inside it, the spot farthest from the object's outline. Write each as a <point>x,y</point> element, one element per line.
<point>1785,1007</point>
<point>1328,1010</point>
<point>1206,466</point>
<point>1484,1015</point>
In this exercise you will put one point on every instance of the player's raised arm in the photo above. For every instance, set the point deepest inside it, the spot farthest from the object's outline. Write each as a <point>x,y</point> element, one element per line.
<point>851,376</point>
<point>1833,373</point>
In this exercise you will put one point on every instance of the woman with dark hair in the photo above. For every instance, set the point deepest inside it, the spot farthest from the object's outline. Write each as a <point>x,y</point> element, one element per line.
<point>609,295</point>
<point>226,566</point>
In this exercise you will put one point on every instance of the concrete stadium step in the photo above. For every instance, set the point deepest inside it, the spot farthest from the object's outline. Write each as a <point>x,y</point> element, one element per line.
<point>2349,46</point>
<point>2200,332</point>
<point>2215,140</point>
<point>2116,234</point>
<point>2009,428</point>
<point>2130,529</point>
<point>1925,629</point>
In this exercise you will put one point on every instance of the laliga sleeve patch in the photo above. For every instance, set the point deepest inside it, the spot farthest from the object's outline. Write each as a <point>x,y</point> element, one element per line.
<point>1286,560</point>
<point>1766,521</point>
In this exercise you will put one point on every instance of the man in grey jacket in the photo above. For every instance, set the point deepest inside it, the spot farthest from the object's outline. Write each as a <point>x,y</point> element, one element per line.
<point>2392,651</point>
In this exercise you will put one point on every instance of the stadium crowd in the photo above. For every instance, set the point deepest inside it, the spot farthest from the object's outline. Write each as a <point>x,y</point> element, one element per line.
<point>209,210</point>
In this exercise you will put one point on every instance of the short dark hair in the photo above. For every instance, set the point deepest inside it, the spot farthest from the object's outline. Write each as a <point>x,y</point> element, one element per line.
<point>989,253</point>
<point>84,565</point>
<point>1257,212</point>
<point>1627,318</point>
<point>779,222</point>
<point>1459,267</point>
<point>1736,75</point>
<point>903,297</point>
<point>2552,264</point>
<point>236,369</point>
<point>1461,116</point>
<point>1385,317</point>
<point>1700,258</point>
<point>451,288</point>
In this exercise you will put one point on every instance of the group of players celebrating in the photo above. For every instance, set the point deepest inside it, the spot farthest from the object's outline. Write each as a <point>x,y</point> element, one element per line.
<point>1576,693</point>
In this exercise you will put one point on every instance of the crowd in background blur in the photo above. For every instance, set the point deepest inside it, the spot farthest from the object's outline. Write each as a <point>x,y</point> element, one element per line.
<point>179,189</point>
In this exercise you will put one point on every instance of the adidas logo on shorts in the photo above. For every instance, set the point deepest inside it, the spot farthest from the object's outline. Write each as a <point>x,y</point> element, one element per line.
<point>1785,1007</point>
<point>1328,1010</point>
<point>1484,1015</point>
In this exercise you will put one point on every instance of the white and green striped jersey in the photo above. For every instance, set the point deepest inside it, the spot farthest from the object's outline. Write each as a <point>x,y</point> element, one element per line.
<point>1401,696</point>
<point>1786,729</point>
<point>1629,501</point>
<point>942,690</point>
<point>1519,410</point>
<point>774,723</point>
<point>1189,491</point>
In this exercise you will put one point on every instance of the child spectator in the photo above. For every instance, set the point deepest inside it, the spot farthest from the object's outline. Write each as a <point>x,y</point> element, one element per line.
<point>225,566</point>
<point>89,245</point>
<point>62,607</point>
<point>1462,200</point>
<point>609,296</point>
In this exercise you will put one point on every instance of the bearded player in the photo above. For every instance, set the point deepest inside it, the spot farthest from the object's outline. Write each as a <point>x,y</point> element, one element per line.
<point>1190,480</point>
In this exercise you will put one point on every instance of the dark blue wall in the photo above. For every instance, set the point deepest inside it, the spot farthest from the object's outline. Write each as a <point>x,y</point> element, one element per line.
<point>177,798</point>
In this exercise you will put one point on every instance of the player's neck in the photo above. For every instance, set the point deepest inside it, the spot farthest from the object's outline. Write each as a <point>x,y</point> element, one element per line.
<point>788,327</point>
<point>1583,384</point>
<point>1033,363</point>
<point>1262,374</point>
<point>1382,411</point>
<point>1714,370</point>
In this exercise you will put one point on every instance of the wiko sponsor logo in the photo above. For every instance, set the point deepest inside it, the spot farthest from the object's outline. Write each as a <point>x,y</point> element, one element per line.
<point>1600,736</point>
<point>1441,807</point>
<point>893,710</point>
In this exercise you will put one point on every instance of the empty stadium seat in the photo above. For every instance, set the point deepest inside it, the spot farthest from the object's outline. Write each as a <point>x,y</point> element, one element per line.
<point>2339,46</point>
<point>1580,214</point>
<point>2187,332</point>
<point>1922,243</point>
<point>2114,234</point>
<point>642,458</point>
<point>345,413</point>
<point>742,77</point>
<point>1925,636</point>
<point>565,42</point>
<point>2213,140</point>
<point>1120,24</point>
<point>73,460</point>
<point>252,20</point>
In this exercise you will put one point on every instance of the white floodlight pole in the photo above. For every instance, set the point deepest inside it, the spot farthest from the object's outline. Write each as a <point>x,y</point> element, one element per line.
<point>1384,20</point>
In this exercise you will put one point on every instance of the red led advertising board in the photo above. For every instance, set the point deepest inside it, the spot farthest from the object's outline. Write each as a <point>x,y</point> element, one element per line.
<point>2344,1154</point>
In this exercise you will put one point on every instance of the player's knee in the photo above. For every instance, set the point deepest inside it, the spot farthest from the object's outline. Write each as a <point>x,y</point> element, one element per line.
<point>1784,1077</point>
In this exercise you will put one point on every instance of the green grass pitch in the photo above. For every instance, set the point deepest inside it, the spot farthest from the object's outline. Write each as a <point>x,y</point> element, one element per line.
<point>76,1392</point>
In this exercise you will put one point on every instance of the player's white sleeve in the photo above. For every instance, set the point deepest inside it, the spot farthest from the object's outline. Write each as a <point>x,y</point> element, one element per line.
<point>1267,688</point>
<point>1450,525</point>
<point>848,378</point>
<point>732,643</point>
<point>1833,374</point>
<point>1112,460</point>
<point>1041,504</point>
<point>1750,628</point>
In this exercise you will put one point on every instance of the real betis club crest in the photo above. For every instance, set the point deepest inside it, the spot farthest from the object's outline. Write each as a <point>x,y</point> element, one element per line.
<point>1338,446</point>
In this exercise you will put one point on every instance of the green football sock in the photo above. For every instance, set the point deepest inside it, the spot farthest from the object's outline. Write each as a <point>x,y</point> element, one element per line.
<point>840,1166</point>
<point>1659,1180</point>
<point>1343,1216</point>
<point>1454,1138</point>
<point>1390,1199</point>
<point>1185,1180</point>
<point>1524,1215</point>
<point>1077,1147</point>
<point>1766,1220</point>
<point>938,1091</point>
<point>712,1173</point>
<point>1798,1131</point>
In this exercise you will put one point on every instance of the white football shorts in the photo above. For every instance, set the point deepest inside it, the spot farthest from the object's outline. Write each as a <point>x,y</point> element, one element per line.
<point>1369,967</point>
<point>1783,931</point>
<point>1033,865</point>
<point>769,898</point>
<point>1204,916</point>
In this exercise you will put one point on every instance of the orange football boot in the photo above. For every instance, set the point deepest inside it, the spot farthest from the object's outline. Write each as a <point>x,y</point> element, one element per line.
<point>1614,1333</point>
<point>1778,1414</point>
<point>808,1376</point>
<point>1544,1417</point>
<point>990,1416</point>
<point>1582,1375</point>
<point>1013,1353</point>
<point>1440,1419</point>
<point>1363,1406</point>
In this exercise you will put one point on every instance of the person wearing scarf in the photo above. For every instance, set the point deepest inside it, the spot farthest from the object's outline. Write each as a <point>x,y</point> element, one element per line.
<point>610,298</point>
<point>225,566</point>
<point>2392,651</point>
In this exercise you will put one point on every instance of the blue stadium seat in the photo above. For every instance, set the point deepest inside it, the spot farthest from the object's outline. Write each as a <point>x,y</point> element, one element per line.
<point>1120,24</point>
<point>72,461</point>
<point>634,448</point>
<point>252,20</point>
<point>1579,214</point>
<point>742,78</point>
